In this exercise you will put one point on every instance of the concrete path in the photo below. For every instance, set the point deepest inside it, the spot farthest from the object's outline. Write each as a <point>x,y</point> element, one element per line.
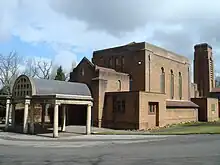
<point>13,139</point>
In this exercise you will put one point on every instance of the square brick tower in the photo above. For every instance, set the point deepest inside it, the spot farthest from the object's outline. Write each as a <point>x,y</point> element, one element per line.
<point>203,69</point>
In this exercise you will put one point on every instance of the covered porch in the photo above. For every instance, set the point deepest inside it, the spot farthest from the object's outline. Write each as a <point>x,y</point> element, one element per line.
<point>37,97</point>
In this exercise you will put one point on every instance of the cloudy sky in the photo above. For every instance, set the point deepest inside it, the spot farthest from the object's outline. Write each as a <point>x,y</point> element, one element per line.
<point>67,30</point>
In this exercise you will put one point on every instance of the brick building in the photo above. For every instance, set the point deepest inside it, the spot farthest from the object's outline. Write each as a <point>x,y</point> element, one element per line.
<point>138,86</point>
<point>205,92</point>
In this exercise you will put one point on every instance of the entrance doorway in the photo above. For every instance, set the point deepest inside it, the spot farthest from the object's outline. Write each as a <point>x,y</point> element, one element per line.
<point>154,111</point>
<point>157,115</point>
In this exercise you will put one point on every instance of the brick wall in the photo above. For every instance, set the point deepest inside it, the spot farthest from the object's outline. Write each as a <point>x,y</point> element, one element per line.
<point>174,115</point>
<point>208,108</point>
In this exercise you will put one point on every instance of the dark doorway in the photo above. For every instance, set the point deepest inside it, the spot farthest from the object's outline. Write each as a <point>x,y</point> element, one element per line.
<point>19,117</point>
<point>76,115</point>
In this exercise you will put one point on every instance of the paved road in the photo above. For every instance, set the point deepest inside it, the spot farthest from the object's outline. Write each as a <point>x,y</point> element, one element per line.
<point>177,150</point>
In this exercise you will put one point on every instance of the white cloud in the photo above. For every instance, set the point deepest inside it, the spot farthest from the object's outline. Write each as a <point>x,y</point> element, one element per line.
<point>65,59</point>
<point>72,27</point>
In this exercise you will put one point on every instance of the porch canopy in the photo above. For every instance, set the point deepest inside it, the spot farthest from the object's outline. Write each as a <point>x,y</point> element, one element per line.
<point>31,91</point>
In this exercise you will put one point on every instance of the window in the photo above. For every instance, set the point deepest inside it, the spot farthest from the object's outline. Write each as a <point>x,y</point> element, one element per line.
<point>82,72</point>
<point>162,81</point>
<point>110,62</point>
<point>213,107</point>
<point>118,106</point>
<point>123,106</point>
<point>130,83</point>
<point>117,61</point>
<point>211,72</point>
<point>122,61</point>
<point>180,86</point>
<point>119,85</point>
<point>171,84</point>
<point>152,107</point>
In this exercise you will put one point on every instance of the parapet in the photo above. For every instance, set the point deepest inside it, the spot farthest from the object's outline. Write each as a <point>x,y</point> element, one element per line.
<point>203,46</point>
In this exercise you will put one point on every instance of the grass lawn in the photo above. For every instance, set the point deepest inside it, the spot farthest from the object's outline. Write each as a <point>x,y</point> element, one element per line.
<point>190,128</point>
<point>178,129</point>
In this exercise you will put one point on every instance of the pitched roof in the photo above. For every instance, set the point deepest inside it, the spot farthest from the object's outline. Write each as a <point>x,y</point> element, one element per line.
<point>180,104</point>
<point>215,90</point>
<point>110,70</point>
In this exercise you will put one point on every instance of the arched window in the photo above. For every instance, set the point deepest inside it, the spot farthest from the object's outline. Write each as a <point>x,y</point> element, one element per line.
<point>130,83</point>
<point>117,61</point>
<point>82,72</point>
<point>180,86</point>
<point>162,81</point>
<point>119,85</point>
<point>122,63</point>
<point>171,84</point>
<point>110,62</point>
<point>22,88</point>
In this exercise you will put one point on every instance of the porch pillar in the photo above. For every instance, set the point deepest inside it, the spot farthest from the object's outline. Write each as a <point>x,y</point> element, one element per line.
<point>88,122</point>
<point>25,124</point>
<point>43,106</point>
<point>55,120</point>
<point>13,115</point>
<point>8,102</point>
<point>32,119</point>
<point>63,118</point>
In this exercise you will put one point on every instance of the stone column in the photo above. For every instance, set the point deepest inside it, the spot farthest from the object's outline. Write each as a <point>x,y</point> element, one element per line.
<point>13,115</point>
<point>63,118</point>
<point>43,106</point>
<point>8,102</point>
<point>88,122</point>
<point>25,124</point>
<point>55,120</point>
<point>32,119</point>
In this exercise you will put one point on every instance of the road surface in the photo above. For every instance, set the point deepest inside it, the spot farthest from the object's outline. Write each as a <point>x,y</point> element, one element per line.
<point>174,150</point>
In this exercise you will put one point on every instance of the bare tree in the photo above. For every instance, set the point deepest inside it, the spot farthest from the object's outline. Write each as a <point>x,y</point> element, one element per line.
<point>44,69</point>
<point>9,70</point>
<point>40,69</point>
<point>30,68</point>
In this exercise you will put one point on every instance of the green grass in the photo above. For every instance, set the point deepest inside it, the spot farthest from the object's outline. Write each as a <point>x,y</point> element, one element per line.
<point>190,128</point>
<point>177,129</point>
<point>120,133</point>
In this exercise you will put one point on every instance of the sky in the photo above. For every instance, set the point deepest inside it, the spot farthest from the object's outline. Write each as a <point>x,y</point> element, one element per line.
<point>67,30</point>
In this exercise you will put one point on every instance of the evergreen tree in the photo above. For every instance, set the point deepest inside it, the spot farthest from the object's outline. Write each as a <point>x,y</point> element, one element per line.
<point>60,74</point>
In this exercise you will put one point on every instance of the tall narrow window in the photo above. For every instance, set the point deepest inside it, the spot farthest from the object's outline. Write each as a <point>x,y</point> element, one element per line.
<point>110,62</point>
<point>130,83</point>
<point>171,84</point>
<point>122,63</point>
<point>119,85</point>
<point>162,81</point>
<point>117,61</point>
<point>180,86</point>
<point>82,71</point>
<point>211,72</point>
